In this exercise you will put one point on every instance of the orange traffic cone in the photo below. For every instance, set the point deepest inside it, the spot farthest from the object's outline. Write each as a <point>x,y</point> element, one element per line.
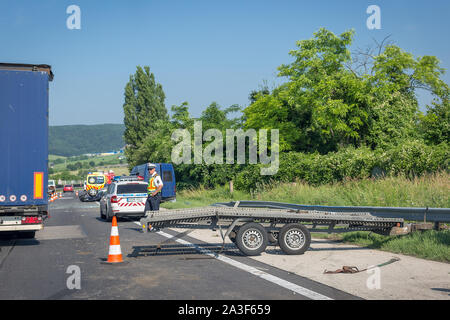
<point>115,253</point>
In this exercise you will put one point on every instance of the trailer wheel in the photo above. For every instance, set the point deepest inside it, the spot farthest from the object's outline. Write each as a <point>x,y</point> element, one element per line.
<point>251,239</point>
<point>294,238</point>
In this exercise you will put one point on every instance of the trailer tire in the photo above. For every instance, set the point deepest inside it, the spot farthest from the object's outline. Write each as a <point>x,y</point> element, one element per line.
<point>294,238</point>
<point>252,239</point>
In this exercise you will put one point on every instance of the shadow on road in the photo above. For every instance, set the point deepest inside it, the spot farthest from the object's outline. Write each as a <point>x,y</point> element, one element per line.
<point>9,239</point>
<point>179,249</point>
<point>441,289</point>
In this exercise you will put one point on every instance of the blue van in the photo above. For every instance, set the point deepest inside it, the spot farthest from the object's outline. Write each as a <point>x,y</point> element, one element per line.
<point>167,173</point>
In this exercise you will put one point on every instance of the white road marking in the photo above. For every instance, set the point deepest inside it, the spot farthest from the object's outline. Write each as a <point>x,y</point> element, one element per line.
<point>261,274</point>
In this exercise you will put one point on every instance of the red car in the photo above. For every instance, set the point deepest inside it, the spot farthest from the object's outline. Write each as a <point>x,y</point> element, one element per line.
<point>68,188</point>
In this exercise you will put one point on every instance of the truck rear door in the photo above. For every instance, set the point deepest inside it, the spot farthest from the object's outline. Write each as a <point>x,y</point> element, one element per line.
<point>23,137</point>
<point>168,177</point>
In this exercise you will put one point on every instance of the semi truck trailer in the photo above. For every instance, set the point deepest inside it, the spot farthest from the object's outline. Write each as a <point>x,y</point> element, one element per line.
<point>24,107</point>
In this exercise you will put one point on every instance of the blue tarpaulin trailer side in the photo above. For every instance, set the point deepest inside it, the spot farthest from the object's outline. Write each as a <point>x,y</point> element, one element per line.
<point>24,107</point>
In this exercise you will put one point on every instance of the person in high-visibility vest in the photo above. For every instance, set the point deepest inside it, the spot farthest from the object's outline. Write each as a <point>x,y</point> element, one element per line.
<point>154,187</point>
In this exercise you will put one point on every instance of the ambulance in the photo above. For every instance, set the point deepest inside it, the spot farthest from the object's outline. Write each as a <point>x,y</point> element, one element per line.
<point>95,181</point>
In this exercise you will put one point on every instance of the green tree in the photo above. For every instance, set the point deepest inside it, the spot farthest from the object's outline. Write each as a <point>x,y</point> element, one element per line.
<point>255,94</point>
<point>156,147</point>
<point>143,108</point>
<point>327,103</point>
<point>435,125</point>
<point>181,119</point>
<point>58,161</point>
<point>320,105</point>
<point>394,81</point>
<point>214,117</point>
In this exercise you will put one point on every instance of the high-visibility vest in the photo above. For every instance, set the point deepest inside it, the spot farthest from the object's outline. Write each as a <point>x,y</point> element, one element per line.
<point>151,184</point>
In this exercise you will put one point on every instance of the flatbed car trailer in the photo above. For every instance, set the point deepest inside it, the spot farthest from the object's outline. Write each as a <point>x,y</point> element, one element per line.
<point>252,229</point>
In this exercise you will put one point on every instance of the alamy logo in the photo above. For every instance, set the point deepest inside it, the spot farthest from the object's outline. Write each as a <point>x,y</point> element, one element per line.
<point>74,20</point>
<point>374,21</point>
<point>74,280</point>
<point>213,152</point>
<point>374,280</point>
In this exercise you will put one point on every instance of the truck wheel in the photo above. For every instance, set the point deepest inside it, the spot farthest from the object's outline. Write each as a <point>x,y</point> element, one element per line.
<point>251,239</point>
<point>294,238</point>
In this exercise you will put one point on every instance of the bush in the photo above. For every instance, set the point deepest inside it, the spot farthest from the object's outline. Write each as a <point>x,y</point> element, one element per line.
<point>313,168</point>
<point>412,158</point>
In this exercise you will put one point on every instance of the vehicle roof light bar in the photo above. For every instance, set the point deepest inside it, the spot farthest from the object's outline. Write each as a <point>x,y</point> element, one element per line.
<point>128,178</point>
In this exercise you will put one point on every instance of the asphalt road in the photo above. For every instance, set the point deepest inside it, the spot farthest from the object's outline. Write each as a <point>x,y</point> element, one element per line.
<point>75,241</point>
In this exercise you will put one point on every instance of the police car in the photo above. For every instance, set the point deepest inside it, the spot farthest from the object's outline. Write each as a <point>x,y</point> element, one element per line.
<point>124,197</point>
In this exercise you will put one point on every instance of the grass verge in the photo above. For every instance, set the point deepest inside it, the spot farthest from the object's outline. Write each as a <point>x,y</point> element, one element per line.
<point>430,244</point>
<point>429,190</point>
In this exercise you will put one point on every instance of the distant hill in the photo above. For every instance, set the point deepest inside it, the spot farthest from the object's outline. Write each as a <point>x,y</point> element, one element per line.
<point>75,140</point>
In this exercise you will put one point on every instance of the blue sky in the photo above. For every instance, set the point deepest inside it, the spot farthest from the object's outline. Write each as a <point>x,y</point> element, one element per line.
<point>200,51</point>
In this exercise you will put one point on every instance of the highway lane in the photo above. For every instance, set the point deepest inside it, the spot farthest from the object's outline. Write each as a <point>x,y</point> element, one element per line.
<point>75,237</point>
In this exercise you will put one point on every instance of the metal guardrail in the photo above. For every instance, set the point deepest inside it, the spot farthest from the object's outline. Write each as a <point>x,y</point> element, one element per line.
<point>411,214</point>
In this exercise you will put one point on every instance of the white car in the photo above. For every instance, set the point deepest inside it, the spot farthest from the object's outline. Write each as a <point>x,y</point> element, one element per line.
<point>125,197</point>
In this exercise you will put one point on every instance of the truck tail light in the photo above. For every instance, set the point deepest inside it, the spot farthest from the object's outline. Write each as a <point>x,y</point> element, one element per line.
<point>114,199</point>
<point>31,220</point>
